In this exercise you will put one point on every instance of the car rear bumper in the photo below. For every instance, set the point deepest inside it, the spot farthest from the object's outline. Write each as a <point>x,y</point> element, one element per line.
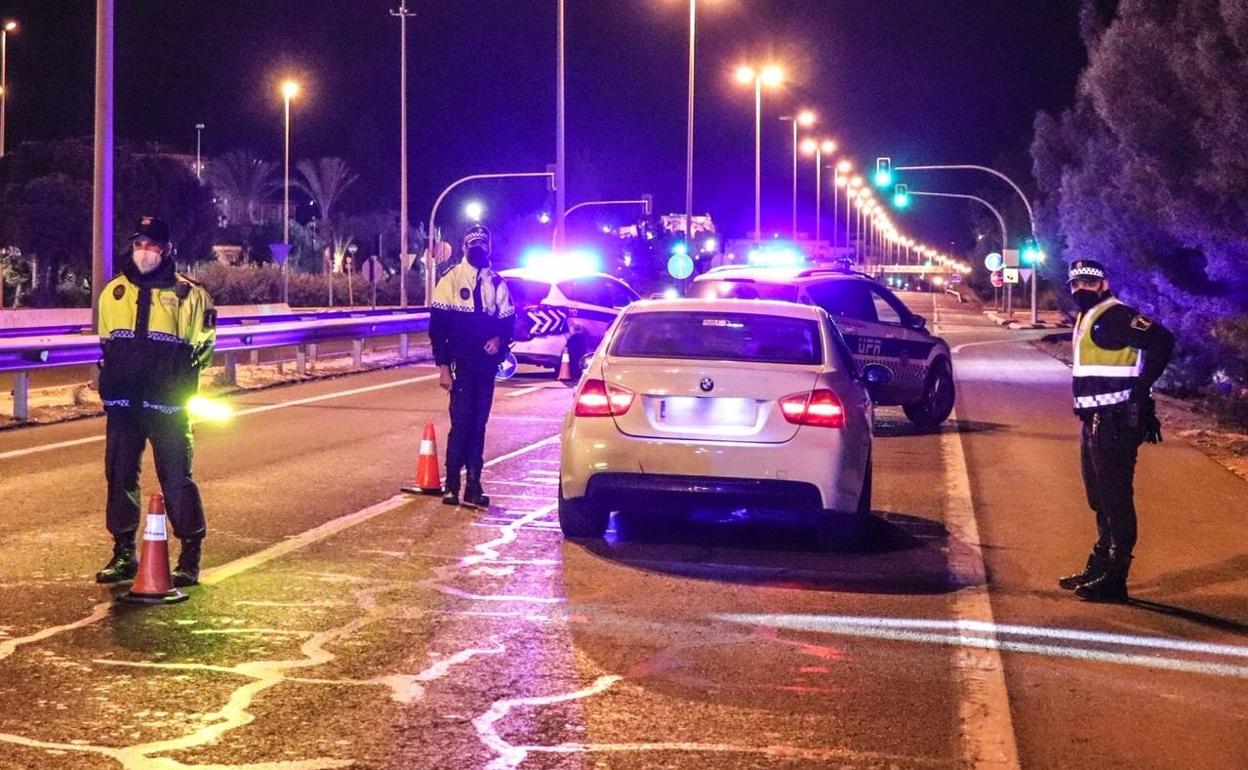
<point>818,468</point>
<point>644,491</point>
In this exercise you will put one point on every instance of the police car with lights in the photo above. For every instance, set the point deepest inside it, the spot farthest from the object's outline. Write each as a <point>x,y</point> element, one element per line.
<point>878,326</point>
<point>569,314</point>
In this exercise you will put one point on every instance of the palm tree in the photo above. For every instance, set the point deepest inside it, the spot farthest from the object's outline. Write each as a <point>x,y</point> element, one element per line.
<point>243,183</point>
<point>325,181</point>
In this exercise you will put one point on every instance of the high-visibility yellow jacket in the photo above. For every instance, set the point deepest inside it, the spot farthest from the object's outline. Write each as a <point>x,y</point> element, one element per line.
<point>157,331</point>
<point>469,308</point>
<point>1118,355</point>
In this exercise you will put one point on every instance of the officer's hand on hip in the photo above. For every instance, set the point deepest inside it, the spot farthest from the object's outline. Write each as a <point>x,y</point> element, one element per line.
<point>445,381</point>
<point>492,346</point>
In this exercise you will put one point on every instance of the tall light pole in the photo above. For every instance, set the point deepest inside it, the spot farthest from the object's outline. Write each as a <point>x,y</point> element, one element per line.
<point>818,148</point>
<point>102,186</point>
<point>839,180</point>
<point>770,75</point>
<point>402,14</point>
<point>290,89</point>
<point>199,146</point>
<point>561,192</point>
<point>693,17</point>
<point>5,29</point>
<point>805,118</point>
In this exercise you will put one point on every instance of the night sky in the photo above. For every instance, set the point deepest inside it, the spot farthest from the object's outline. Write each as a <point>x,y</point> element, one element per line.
<point>954,81</point>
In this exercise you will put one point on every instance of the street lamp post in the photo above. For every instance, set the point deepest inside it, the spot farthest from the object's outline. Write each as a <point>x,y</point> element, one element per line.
<point>804,118</point>
<point>402,14</point>
<point>199,146</point>
<point>5,29</point>
<point>102,178</point>
<point>561,191</point>
<point>819,148</point>
<point>839,180</point>
<point>290,89</point>
<point>693,17</point>
<point>770,75</point>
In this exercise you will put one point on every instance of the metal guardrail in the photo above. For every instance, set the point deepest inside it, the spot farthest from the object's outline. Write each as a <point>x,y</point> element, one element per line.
<point>302,331</point>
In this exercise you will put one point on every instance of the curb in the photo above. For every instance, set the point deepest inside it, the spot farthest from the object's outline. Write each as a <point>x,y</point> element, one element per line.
<point>999,320</point>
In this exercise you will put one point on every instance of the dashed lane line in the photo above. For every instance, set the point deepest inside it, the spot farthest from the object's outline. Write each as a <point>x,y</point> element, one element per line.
<point>13,453</point>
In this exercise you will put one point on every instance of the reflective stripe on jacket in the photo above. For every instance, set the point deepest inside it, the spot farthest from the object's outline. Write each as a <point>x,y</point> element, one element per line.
<point>1103,377</point>
<point>458,328</point>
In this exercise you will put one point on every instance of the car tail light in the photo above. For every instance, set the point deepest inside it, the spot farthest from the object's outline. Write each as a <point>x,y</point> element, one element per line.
<point>598,399</point>
<point>818,408</point>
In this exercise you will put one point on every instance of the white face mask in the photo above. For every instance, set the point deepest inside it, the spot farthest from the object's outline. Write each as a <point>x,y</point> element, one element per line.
<point>146,260</point>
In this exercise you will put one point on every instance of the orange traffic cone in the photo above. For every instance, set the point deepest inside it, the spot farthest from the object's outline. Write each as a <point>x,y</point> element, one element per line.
<point>428,480</point>
<point>153,583</point>
<point>565,369</point>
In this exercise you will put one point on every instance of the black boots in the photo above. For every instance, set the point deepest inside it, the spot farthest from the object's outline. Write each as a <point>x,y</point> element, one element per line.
<point>122,566</point>
<point>187,572</point>
<point>1111,586</point>
<point>1094,569</point>
<point>452,488</point>
<point>474,495</point>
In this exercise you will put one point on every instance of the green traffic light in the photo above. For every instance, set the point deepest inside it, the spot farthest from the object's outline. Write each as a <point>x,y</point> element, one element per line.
<point>901,200</point>
<point>883,178</point>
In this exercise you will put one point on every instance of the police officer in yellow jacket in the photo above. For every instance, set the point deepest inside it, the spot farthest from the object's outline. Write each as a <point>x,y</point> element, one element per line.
<point>157,330</point>
<point>1118,355</point>
<point>470,327</point>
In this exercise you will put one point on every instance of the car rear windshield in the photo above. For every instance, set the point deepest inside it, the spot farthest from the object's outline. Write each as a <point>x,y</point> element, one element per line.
<point>743,289</point>
<point>719,337</point>
<point>526,293</point>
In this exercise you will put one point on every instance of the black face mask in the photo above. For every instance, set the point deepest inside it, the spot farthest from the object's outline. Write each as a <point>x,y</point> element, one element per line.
<point>1086,299</point>
<point>478,257</point>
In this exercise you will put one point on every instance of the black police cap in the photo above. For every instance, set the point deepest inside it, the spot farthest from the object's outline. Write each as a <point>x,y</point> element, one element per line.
<point>151,228</point>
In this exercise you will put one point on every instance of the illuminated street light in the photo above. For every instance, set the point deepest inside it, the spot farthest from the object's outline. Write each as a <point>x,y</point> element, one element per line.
<point>290,89</point>
<point>474,210</point>
<point>199,141</point>
<point>771,75</point>
<point>9,26</point>
<point>544,218</point>
<point>803,118</point>
<point>818,148</point>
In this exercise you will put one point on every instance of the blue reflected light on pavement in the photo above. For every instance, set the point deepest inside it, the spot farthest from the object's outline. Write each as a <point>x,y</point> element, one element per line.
<point>1054,642</point>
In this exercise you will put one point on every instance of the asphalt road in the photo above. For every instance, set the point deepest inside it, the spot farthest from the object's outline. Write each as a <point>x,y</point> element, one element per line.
<point>343,625</point>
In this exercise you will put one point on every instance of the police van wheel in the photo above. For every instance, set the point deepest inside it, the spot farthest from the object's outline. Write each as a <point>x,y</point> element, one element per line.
<point>938,399</point>
<point>579,518</point>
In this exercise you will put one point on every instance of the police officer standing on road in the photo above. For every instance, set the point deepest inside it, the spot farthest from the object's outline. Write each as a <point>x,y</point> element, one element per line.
<point>470,327</point>
<point>158,330</point>
<point>1118,355</point>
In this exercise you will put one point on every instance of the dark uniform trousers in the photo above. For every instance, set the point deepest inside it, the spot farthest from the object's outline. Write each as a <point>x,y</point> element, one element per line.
<point>1108,447</point>
<point>472,396</point>
<point>127,434</point>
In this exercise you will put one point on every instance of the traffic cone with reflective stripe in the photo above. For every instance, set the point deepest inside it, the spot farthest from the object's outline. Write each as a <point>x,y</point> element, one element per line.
<point>428,480</point>
<point>565,368</point>
<point>153,583</point>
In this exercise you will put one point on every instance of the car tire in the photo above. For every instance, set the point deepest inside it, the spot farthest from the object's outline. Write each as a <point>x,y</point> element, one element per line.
<point>864,497</point>
<point>580,519</point>
<point>939,395</point>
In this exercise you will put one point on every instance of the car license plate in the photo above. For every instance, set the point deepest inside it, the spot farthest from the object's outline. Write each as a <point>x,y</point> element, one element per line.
<point>694,411</point>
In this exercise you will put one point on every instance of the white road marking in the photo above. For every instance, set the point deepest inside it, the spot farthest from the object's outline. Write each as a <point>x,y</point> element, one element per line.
<point>984,709</point>
<point>242,412</point>
<point>524,391</point>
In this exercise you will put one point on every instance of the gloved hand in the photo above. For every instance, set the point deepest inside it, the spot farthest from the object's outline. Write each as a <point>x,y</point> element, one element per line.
<point>1150,426</point>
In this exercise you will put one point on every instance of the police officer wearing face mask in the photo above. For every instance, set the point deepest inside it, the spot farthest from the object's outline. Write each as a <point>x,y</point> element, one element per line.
<point>1118,355</point>
<point>157,330</point>
<point>470,326</point>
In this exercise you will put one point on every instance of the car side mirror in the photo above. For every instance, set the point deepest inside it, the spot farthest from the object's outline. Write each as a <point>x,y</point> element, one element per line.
<point>876,374</point>
<point>916,321</point>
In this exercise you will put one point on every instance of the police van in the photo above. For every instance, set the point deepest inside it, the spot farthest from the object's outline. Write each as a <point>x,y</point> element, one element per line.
<point>878,326</point>
<point>562,314</point>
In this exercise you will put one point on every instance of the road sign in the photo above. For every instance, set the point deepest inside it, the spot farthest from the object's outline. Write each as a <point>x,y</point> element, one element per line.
<point>408,259</point>
<point>1025,273</point>
<point>994,261</point>
<point>955,278</point>
<point>545,320</point>
<point>280,252</point>
<point>442,253</point>
<point>372,270</point>
<point>1011,257</point>
<point>1009,274</point>
<point>997,280</point>
<point>507,367</point>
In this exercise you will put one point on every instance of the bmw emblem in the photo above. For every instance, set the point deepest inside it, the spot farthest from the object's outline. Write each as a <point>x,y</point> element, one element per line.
<point>707,384</point>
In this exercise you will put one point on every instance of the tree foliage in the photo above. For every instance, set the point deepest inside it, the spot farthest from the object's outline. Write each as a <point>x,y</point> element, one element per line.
<point>1148,170</point>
